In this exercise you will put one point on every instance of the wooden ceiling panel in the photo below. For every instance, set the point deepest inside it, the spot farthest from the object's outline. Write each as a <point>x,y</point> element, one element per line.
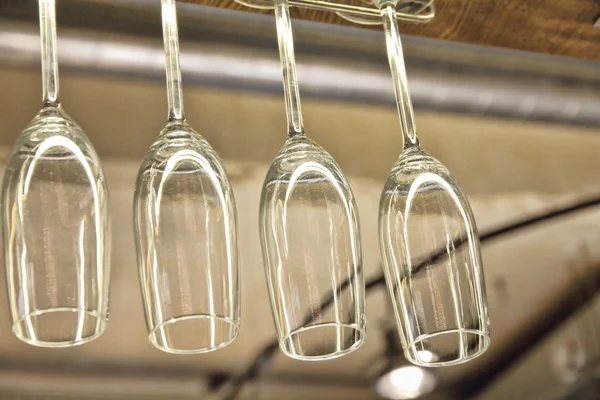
<point>558,27</point>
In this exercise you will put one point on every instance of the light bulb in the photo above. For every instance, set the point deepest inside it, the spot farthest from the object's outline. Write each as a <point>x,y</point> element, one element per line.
<point>407,382</point>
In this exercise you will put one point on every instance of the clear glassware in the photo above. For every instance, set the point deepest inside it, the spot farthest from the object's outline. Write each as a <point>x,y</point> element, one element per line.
<point>55,221</point>
<point>185,229</point>
<point>310,236</point>
<point>439,301</point>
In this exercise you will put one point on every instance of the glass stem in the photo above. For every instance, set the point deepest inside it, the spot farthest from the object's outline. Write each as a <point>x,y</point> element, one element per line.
<point>172,63</point>
<point>288,66</point>
<point>49,62</point>
<point>396,59</point>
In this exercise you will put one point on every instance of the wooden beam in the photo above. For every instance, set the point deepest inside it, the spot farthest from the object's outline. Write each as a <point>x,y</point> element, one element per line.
<point>558,27</point>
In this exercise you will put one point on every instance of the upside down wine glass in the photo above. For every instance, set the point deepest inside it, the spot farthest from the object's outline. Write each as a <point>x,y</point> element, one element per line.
<point>185,229</point>
<point>429,243</point>
<point>55,221</point>
<point>310,236</point>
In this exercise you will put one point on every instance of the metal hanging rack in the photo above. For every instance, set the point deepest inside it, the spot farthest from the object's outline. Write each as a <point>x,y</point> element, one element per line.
<point>363,12</point>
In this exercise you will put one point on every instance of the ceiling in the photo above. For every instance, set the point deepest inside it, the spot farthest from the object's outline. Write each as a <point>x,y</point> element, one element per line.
<point>563,27</point>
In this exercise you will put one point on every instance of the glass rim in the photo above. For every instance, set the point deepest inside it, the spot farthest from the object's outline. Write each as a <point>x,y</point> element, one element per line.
<point>152,333</point>
<point>412,346</point>
<point>64,343</point>
<point>355,346</point>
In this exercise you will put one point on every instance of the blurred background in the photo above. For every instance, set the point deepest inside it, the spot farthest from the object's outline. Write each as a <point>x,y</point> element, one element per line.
<point>520,132</point>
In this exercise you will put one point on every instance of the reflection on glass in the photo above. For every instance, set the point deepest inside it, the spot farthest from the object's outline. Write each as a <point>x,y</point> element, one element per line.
<point>185,226</point>
<point>310,236</point>
<point>55,221</point>
<point>430,245</point>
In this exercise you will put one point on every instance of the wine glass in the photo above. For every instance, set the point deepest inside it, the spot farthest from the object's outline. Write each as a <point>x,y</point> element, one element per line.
<point>185,229</point>
<point>310,236</point>
<point>429,244</point>
<point>55,221</point>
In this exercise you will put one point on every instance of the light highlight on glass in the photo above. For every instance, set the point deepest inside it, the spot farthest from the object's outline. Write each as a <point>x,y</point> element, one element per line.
<point>429,245</point>
<point>185,227</point>
<point>55,221</point>
<point>310,236</point>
